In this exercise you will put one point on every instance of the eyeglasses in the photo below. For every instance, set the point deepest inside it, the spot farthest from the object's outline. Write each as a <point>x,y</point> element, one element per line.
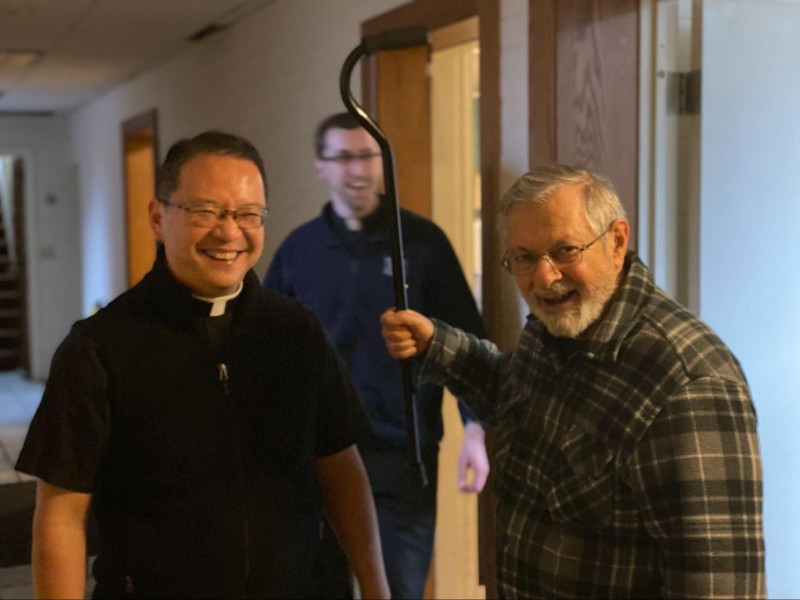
<point>560,258</point>
<point>344,160</point>
<point>209,215</point>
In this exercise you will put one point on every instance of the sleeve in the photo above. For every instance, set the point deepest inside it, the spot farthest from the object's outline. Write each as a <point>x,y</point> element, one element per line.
<point>450,299</point>
<point>69,431</point>
<point>470,368</point>
<point>697,478</point>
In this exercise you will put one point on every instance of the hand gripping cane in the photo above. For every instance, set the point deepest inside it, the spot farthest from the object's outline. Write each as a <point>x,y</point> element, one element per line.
<point>400,38</point>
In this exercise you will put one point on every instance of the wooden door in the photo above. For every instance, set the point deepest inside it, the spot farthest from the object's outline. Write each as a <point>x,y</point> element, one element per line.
<point>584,90</point>
<point>140,156</point>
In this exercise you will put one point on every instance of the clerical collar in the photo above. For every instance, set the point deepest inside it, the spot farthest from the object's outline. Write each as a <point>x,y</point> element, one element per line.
<point>218,304</point>
<point>353,224</point>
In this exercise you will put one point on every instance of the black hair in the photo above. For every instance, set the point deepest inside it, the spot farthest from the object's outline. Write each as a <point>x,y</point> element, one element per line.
<point>209,142</point>
<point>343,120</point>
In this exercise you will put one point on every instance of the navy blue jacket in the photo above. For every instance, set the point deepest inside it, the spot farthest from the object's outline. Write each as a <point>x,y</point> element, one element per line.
<point>346,279</point>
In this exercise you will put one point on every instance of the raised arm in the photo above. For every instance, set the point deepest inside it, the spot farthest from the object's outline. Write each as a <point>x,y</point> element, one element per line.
<point>58,559</point>
<point>351,514</point>
<point>407,333</point>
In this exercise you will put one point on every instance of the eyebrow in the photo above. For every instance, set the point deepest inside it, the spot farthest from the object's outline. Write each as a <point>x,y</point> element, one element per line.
<point>343,152</point>
<point>207,202</point>
<point>559,244</point>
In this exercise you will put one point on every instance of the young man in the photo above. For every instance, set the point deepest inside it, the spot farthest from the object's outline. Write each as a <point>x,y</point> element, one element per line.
<point>627,456</point>
<point>194,412</point>
<point>339,266</point>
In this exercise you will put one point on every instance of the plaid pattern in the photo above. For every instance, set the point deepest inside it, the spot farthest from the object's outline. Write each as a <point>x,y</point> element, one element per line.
<point>627,465</point>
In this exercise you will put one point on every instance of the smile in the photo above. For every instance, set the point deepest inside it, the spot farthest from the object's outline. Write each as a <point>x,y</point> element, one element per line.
<point>220,255</point>
<point>556,301</point>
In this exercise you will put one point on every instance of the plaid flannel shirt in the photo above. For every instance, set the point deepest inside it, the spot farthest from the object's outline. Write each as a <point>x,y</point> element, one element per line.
<point>627,466</point>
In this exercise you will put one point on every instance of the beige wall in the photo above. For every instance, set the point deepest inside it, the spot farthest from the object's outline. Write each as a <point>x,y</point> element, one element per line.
<point>271,79</point>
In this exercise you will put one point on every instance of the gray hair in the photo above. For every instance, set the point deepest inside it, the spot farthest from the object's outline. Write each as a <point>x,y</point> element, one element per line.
<point>538,186</point>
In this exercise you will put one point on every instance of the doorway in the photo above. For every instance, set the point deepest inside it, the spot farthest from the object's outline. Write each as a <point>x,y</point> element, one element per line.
<point>13,283</point>
<point>390,80</point>
<point>140,159</point>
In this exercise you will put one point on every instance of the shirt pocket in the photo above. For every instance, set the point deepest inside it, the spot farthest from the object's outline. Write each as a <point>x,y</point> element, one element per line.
<point>582,492</point>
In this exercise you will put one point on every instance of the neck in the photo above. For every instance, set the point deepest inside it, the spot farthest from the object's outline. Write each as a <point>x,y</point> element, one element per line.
<point>347,212</point>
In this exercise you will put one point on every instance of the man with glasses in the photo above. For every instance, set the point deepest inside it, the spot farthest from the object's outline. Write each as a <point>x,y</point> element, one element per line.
<point>339,266</point>
<point>627,457</point>
<point>194,413</point>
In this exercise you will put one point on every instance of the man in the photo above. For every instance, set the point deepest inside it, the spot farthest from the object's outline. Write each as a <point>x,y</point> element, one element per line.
<point>203,418</point>
<point>627,456</point>
<point>339,266</point>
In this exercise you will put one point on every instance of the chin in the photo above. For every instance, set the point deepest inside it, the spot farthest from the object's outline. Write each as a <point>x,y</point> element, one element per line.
<point>572,322</point>
<point>564,327</point>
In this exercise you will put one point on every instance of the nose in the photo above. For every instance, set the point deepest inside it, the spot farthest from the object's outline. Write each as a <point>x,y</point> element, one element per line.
<point>227,227</point>
<point>544,273</point>
<point>359,165</point>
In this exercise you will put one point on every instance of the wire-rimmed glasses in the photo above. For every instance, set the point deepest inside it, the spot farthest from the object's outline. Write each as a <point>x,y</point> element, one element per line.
<point>561,257</point>
<point>210,215</point>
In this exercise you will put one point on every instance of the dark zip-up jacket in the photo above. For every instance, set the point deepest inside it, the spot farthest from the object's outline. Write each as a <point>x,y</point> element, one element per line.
<point>199,458</point>
<point>346,279</point>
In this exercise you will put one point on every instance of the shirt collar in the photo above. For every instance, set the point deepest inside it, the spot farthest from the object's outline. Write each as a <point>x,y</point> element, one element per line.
<point>218,305</point>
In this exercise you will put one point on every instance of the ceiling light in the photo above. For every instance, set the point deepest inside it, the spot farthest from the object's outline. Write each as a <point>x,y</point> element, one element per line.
<point>18,59</point>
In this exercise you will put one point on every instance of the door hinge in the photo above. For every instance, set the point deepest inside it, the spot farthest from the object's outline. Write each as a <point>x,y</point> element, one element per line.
<point>683,93</point>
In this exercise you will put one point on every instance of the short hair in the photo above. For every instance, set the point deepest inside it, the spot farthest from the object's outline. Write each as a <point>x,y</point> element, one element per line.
<point>343,120</point>
<point>211,142</point>
<point>537,186</point>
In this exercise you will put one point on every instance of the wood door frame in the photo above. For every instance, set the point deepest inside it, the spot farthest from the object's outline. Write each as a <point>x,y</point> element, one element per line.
<point>132,128</point>
<point>433,14</point>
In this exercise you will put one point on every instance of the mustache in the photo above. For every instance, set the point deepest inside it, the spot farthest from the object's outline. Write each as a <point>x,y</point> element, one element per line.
<point>557,288</point>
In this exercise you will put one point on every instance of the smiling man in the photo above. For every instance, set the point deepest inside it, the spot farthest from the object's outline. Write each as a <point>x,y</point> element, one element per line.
<point>339,266</point>
<point>208,422</point>
<point>626,454</point>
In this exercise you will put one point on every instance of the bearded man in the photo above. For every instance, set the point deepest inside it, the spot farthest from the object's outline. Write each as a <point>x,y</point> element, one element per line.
<point>626,451</point>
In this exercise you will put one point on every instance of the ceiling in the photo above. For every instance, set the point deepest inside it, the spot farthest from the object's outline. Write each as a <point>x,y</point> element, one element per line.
<point>56,55</point>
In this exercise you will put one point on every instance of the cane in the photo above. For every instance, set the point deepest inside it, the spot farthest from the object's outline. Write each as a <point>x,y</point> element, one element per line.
<point>400,38</point>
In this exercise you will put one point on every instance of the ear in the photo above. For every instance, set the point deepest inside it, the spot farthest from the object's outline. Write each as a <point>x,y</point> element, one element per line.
<point>319,167</point>
<point>156,215</point>
<point>620,232</point>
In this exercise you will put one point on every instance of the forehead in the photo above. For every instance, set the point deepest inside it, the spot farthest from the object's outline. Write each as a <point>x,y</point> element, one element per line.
<point>219,175</point>
<point>560,220</point>
<point>349,140</point>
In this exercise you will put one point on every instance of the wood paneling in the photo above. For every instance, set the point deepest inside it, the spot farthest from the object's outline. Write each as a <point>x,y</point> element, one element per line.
<point>584,89</point>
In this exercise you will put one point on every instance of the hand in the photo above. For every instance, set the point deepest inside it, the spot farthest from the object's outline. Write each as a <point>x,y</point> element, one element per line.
<point>473,457</point>
<point>407,333</point>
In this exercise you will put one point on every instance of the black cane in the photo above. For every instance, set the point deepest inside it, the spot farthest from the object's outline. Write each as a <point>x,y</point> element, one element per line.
<point>400,38</point>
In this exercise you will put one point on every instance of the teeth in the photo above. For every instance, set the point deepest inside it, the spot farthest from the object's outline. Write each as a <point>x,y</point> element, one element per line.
<point>555,299</point>
<point>222,255</point>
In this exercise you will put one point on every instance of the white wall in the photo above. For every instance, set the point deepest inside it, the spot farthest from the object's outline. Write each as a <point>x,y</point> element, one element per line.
<point>52,230</point>
<point>270,79</point>
<point>750,291</point>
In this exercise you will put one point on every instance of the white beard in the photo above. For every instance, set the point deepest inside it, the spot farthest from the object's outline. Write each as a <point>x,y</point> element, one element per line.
<point>592,302</point>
